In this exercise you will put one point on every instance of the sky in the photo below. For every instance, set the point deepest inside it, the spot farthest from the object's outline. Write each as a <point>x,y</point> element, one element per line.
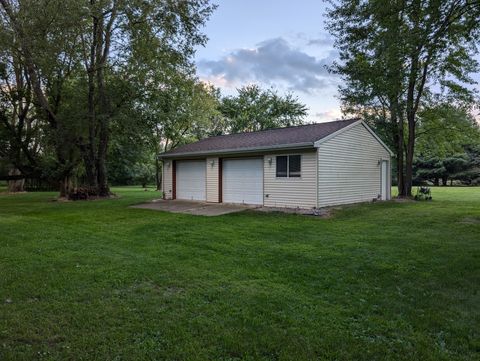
<point>273,43</point>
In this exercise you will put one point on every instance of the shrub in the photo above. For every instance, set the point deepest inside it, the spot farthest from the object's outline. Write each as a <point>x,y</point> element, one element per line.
<point>423,194</point>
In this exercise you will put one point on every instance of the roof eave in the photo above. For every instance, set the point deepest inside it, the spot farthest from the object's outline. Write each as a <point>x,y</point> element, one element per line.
<point>238,150</point>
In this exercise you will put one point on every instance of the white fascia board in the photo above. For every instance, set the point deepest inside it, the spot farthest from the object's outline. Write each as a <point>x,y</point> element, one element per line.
<point>340,131</point>
<point>220,152</point>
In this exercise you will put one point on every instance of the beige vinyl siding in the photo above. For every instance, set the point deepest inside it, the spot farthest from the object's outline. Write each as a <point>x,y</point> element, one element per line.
<point>167,179</point>
<point>291,192</point>
<point>349,168</point>
<point>212,179</point>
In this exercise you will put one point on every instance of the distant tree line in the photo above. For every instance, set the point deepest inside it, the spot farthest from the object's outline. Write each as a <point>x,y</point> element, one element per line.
<point>463,169</point>
<point>447,147</point>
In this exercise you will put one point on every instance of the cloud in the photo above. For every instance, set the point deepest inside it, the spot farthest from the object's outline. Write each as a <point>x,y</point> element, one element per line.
<point>321,41</point>
<point>274,61</point>
<point>329,115</point>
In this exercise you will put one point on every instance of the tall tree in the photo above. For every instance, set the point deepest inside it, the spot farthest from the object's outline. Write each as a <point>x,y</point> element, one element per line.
<point>21,128</point>
<point>258,109</point>
<point>180,109</point>
<point>38,35</point>
<point>395,55</point>
<point>96,45</point>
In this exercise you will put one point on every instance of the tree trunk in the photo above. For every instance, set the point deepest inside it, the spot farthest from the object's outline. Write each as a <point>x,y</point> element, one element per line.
<point>103,188</point>
<point>95,151</point>
<point>16,185</point>
<point>408,183</point>
<point>158,176</point>
<point>102,49</point>
<point>400,161</point>
<point>65,186</point>
<point>89,150</point>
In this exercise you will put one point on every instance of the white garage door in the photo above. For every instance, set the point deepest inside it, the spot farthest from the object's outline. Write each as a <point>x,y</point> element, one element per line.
<point>190,177</point>
<point>243,181</point>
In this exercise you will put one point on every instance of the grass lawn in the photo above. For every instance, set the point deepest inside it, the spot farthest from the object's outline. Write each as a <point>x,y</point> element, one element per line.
<point>100,281</point>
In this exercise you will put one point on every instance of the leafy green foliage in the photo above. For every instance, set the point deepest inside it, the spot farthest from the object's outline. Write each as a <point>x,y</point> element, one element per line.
<point>448,137</point>
<point>257,109</point>
<point>423,194</point>
<point>87,65</point>
<point>445,130</point>
<point>177,109</point>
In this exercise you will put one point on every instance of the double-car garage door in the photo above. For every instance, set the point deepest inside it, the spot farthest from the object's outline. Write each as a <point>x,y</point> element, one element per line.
<point>242,180</point>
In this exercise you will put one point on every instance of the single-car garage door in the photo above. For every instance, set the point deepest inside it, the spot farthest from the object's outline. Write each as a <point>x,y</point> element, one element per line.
<point>190,180</point>
<point>243,180</point>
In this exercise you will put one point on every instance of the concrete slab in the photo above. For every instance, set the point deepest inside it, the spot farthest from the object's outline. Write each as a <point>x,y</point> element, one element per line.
<point>194,208</point>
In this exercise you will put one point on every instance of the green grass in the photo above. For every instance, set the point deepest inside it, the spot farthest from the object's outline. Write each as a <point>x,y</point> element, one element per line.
<point>100,281</point>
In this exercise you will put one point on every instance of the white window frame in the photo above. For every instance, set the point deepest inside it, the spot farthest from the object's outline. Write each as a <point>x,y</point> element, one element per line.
<point>288,166</point>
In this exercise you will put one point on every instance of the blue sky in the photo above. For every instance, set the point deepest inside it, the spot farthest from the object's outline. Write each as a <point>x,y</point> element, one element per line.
<point>279,43</point>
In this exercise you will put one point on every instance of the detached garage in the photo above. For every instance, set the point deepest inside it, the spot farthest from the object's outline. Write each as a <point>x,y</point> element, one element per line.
<point>307,166</point>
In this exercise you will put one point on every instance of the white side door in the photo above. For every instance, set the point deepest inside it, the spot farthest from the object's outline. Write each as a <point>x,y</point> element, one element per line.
<point>384,180</point>
<point>242,180</point>
<point>190,180</point>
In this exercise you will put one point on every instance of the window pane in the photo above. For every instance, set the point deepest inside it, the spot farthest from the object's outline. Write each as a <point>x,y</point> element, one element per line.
<point>282,166</point>
<point>294,166</point>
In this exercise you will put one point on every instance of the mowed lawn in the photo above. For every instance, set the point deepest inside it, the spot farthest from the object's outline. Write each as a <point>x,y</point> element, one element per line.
<point>100,281</point>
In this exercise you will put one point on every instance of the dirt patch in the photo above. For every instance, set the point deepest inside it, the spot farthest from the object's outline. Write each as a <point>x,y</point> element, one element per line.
<point>91,198</point>
<point>403,200</point>
<point>320,212</point>
<point>172,291</point>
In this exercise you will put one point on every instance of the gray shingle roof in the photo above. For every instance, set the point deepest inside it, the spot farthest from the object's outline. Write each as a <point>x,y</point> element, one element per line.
<point>303,135</point>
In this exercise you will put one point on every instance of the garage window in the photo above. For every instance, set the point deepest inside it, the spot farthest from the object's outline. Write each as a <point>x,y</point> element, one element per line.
<point>289,166</point>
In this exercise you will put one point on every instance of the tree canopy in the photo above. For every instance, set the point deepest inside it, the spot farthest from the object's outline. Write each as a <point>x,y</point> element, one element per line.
<point>395,57</point>
<point>79,66</point>
<point>257,109</point>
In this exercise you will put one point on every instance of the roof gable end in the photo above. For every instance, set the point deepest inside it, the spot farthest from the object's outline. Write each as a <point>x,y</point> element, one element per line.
<point>342,130</point>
